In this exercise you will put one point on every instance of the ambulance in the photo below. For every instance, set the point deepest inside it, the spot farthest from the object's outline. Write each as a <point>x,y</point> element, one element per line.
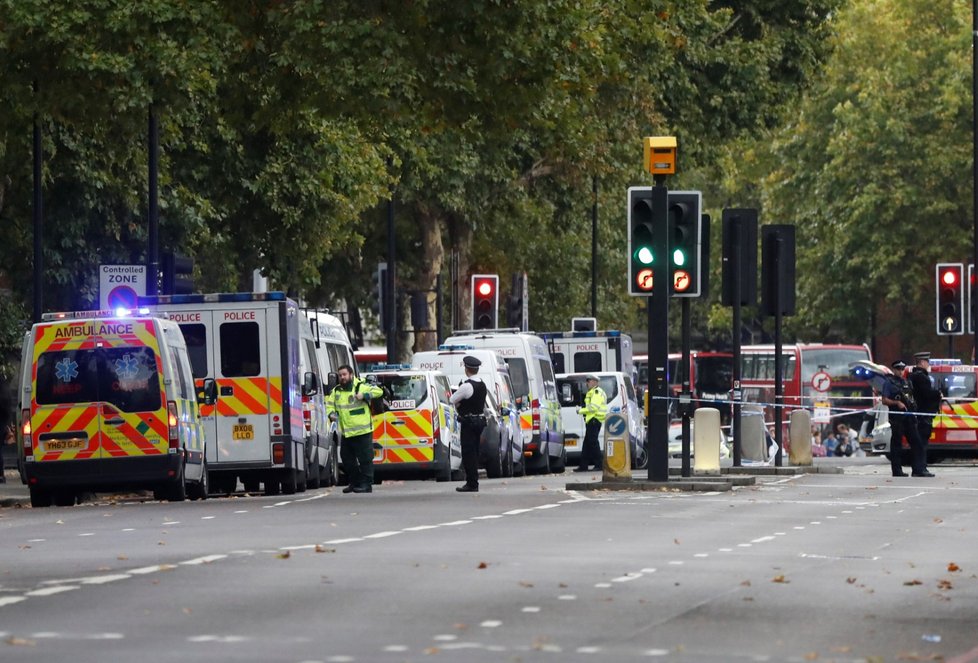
<point>534,384</point>
<point>249,344</point>
<point>418,434</point>
<point>108,402</point>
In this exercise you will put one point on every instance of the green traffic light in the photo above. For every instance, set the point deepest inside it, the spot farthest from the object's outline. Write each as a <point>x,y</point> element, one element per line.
<point>644,255</point>
<point>679,257</point>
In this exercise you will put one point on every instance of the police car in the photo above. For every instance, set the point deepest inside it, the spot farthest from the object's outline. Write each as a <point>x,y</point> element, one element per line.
<point>417,434</point>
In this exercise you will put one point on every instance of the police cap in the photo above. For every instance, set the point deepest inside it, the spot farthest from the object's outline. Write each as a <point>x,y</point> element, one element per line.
<point>471,362</point>
<point>922,356</point>
<point>591,376</point>
<point>898,365</point>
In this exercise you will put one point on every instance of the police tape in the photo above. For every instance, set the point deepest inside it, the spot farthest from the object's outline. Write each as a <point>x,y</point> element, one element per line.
<point>838,411</point>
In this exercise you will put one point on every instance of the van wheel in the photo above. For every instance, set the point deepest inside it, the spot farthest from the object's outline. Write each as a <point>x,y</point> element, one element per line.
<point>41,497</point>
<point>314,478</point>
<point>508,461</point>
<point>199,490</point>
<point>558,466</point>
<point>272,487</point>
<point>640,460</point>
<point>542,466</point>
<point>494,462</point>
<point>300,481</point>
<point>65,498</point>
<point>289,485</point>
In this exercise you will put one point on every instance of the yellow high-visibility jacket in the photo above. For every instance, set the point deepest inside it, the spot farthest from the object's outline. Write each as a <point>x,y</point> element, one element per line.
<point>595,405</point>
<point>353,414</point>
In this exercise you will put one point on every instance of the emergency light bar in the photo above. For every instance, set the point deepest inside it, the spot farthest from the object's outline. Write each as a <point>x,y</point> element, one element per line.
<point>614,333</point>
<point>945,362</point>
<point>377,368</point>
<point>105,313</point>
<point>275,296</point>
<point>449,347</point>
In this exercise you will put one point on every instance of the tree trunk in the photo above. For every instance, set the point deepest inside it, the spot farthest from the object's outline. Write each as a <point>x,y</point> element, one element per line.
<point>432,257</point>
<point>461,237</point>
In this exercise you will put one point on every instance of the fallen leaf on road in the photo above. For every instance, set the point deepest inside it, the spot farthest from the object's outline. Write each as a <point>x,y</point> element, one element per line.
<point>944,584</point>
<point>161,543</point>
<point>748,598</point>
<point>483,565</point>
<point>842,649</point>
<point>952,567</point>
<point>910,583</point>
<point>59,522</point>
<point>19,642</point>
<point>850,580</point>
<point>104,568</point>
<point>779,579</point>
<point>543,487</point>
<point>432,650</point>
<point>24,547</point>
<point>460,627</point>
<point>676,541</point>
<point>562,584</point>
<point>167,567</point>
<point>745,583</point>
<point>187,611</point>
<point>811,656</point>
<point>321,549</point>
<point>285,555</point>
<point>938,520</point>
<point>122,557</point>
<point>523,583</point>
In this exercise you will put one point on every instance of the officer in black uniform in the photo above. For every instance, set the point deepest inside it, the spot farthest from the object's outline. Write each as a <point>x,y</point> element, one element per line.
<point>897,395</point>
<point>470,402</point>
<point>928,397</point>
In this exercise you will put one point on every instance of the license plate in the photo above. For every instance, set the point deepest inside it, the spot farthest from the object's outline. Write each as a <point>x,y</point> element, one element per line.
<point>570,443</point>
<point>243,432</point>
<point>66,444</point>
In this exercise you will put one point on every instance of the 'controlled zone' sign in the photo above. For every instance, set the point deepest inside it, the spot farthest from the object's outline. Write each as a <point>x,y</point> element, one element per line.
<point>120,285</point>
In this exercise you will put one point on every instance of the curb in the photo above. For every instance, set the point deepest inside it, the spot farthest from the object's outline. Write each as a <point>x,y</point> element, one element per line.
<point>694,485</point>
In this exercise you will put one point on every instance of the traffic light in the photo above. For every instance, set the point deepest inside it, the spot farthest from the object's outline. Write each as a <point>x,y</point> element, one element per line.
<point>972,304</point>
<point>178,274</point>
<point>777,269</point>
<point>949,279</point>
<point>379,303</point>
<point>517,301</point>
<point>641,235</point>
<point>485,301</point>
<point>740,241</point>
<point>685,242</point>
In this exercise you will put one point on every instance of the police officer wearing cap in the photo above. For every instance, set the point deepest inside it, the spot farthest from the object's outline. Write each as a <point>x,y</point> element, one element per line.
<point>594,411</point>
<point>897,395</point>
<point>928,399</point>
<point>470,402</point>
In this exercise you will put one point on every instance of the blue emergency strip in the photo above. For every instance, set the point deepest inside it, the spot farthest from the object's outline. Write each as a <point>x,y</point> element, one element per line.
<point>450,347</point>
<point>581,334</point>
<point>275,296</point>
<point>106,313</point>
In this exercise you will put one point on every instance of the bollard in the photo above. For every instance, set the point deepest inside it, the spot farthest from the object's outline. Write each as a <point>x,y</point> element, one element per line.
<point>617,465</point>
<point>753,445</point>
<point>800,435</point>
<point>706,440</point>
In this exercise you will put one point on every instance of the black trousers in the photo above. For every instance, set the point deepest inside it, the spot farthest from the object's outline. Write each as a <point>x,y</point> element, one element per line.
<point>471,433</point>
<point>925,424</point>
<point>905,426</point>
<point>357,453</point>
<point>590,449</point>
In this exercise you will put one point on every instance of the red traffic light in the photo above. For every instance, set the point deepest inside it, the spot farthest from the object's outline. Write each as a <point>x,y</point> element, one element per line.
<point>949,277</point>
<point>484,288</point>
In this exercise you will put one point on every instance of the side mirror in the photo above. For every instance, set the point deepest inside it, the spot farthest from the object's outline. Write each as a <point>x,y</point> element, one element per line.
<point>332,379</point>
<point>208,392</point>
<point>504,411</point>
<point>310,384</point>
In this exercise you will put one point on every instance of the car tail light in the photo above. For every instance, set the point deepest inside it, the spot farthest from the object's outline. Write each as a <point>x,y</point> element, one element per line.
<point>173,424</point>
<point>25,429</point>
<point>535,416</point>
<point>278,453</point>
<point>307,413</point>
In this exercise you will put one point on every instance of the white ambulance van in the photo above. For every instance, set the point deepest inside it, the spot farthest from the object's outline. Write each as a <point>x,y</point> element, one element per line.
<point>108,402</point>
<point>248,343</point>
<point>325,347</point>
<point>534,384</point>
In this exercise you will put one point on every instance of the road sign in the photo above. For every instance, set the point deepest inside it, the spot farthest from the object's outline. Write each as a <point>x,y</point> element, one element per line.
<point>120,285</point>
<point>615,425</point>
<point>821,381</point>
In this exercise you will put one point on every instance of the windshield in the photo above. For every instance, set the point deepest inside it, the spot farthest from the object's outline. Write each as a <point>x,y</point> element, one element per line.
<point>403,392</point>
<point>126,377</point>
<point>517,373</point>
<point>572,389</point>
<point>834,361</point>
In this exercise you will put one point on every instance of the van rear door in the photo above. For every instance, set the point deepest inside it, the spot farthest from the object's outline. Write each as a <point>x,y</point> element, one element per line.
<point>197,329</point>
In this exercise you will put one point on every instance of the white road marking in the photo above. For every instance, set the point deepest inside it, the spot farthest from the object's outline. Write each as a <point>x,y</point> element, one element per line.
<point>48,591</point>
<point>308,546</point>
<point>445,637</point>
<point>516,512</point>
<point>602,585</point>
<point>208,517</point>
<point>396,648</point>
<point>10,600</point>
<point>206,559</point>
<point>35,540</point>
<point>172,522</point>
<point>101,580</point>
<point>87,534</point>
<point>567,597</point>
<point>489,517</point>
<point>419,528</point>
<point>336,542</point>
<point>381,535</point>
<point>588,650</point>
<point>701,555</point>
<point>491,623</point>
<point>129,529</point>
<point>531,608</point>
<point>454,523</point>
<point>151,569</point>
<point>762,539</point>
<point>676,562</point>
<point>243,511</point>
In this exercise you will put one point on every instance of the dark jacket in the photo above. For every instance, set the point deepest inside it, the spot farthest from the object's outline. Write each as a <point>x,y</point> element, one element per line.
<point>928,398</point>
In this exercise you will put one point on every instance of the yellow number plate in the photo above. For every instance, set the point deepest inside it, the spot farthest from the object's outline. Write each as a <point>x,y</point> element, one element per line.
<point>570,443</point>
<point>66,444</point>
<point>243,432</point>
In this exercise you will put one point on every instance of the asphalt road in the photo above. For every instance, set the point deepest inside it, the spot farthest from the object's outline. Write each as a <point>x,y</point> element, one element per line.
<point>851,567</point>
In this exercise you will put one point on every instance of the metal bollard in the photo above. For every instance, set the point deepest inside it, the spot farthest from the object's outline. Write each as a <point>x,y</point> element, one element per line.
<point>617,465</point>
<point>706,440</point>
<point>800,435</point>
<point>753,445</point>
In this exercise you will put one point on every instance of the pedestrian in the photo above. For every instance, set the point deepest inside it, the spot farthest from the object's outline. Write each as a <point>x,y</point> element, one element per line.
<point>470,402</point>
<point>897,395</point>
<point>845,440</point>
<point>928,397</point>
<point>594,410</point>
<point>349,403</point>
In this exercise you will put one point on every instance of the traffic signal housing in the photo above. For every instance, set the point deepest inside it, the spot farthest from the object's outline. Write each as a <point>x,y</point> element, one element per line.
<point>178,274</point>
<point>485,301</point>
<point>949,282</point>
<point>641,236</point>
<point>685,243</point>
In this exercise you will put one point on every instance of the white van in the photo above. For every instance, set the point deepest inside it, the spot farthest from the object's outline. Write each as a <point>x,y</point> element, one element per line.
<point>509,461</point>
<point>621,400</point>
<point>531,371</point>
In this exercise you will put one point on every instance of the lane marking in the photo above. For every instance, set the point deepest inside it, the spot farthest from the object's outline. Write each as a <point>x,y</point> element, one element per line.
<point>206,559</point>
<point>50,591</point>
<point>491,623</point>
<point>762,539</point>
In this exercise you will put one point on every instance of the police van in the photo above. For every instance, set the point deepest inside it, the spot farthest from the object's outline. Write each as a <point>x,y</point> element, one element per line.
<point>108,402</point>
<point>501,452</point>
<point>418,434</point>
<point>591,352</point>
<point>534,384</point>
<point>249,344</point>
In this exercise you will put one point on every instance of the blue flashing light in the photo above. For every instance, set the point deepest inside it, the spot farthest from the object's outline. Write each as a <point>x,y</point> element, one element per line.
<point>158,300</point>
<point>449,347</point>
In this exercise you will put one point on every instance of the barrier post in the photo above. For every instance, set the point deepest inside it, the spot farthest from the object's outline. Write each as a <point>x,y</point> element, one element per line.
<point>706,441</point>
<point>754,443</point>
<point>800,436</point>
<point>617,465</point>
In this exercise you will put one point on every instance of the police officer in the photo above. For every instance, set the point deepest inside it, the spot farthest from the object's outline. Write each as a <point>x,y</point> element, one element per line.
<point>470,402</point>
<point>349,403</point>
<point>594,411</point>
<point>928,397</point>
<point>897,395</point>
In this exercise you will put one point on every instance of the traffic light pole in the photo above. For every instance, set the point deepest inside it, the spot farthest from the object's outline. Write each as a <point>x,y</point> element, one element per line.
<point>736,285</point>
<point>685,400</point>
<point>778,359</point>
<point>657,438</point>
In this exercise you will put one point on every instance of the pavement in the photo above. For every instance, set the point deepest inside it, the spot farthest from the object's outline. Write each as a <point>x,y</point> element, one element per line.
<point>12,491</point>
